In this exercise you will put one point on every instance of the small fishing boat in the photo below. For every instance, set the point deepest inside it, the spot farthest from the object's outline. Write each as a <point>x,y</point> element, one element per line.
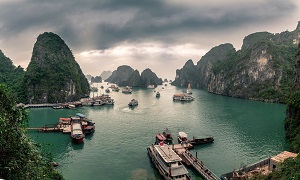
<point>71,106</point>
<point>57,106</point>
<point>182,137</point>
<point>199,141</point>
<point>133,102</point>
<point>160,138</point>
<point>77,133</point>
<point>157,94</point>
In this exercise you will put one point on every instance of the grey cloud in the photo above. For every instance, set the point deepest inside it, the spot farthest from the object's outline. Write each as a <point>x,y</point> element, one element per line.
<point>151,19</point>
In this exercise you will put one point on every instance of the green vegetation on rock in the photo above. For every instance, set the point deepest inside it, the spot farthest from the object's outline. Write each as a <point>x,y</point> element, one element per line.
<point>20,158</point>
<point>11,76</point>
<point>53,75</point>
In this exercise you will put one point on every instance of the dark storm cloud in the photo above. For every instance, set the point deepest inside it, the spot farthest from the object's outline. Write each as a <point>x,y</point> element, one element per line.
<point>102,24</point>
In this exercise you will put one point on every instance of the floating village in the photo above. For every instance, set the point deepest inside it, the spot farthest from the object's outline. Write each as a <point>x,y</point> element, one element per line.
<point>170,156</point>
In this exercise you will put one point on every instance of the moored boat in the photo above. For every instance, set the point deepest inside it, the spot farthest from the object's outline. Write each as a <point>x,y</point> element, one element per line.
<point>198,141</point>
<point>150,86</point>
<point>127,90</point>
<point>57,106</point>
<point>182,137</point>
<point>77,133</point>
<point>160,138</point>
<point>168,135</point>
<point>168,163</point>
<point>183,97</point>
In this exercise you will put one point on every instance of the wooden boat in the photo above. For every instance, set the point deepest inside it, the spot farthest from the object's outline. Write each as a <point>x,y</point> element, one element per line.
<point>196,141</point>
<point>57,106</point>
<point>168,163</point>
<point>160,138</point>
<point>182,137</point>
<point>127,90</point>
<point>133,102</point>
<point>168,135</point>
<point>77,135</point>
<point>157,94</point>
<point>71,106</point>
<point>88,126</point>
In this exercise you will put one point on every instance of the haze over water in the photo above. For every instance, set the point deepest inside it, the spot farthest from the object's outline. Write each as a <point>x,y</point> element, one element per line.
<point>244,131</point>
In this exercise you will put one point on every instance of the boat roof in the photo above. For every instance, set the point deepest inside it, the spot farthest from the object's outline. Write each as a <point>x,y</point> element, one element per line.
<point>80,115</point>
<point>161,137</point>
<point>167,154</point>
<point>178,94</point>
<point>182,134</point>
<point>76,129</point>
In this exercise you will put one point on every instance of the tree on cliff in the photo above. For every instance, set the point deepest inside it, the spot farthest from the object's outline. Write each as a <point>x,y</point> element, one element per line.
<point>19,156</point>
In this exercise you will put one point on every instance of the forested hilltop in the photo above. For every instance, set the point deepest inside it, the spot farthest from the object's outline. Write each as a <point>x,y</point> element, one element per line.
<point>261,70</point>
<point>53,74</point>
<point>20,157</point>
<point>11,75</point>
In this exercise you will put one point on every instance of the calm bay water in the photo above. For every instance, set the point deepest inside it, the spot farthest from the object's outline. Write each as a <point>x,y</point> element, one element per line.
<point>244,132</point>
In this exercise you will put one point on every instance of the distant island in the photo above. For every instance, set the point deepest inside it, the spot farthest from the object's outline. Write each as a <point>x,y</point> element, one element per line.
<point>127,76</point>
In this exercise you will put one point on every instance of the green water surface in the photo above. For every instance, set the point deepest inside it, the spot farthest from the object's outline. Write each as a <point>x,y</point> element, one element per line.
<point>244,131</point>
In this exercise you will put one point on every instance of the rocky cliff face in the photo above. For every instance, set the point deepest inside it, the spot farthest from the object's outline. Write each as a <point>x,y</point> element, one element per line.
<point>292,121</point>
<point>121,75</point>
<point>105,74</point>
<point>53,75</point>
<point>125,76</point>
<point>261,70</point>
<point>148,77</point>
<point>134,79</point>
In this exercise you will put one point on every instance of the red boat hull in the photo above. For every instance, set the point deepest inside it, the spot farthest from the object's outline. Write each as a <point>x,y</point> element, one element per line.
<point>77,140</point>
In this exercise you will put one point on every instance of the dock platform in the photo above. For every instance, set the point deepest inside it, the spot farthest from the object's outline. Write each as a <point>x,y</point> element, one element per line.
<point>189,159</point>
<point>56,128</point>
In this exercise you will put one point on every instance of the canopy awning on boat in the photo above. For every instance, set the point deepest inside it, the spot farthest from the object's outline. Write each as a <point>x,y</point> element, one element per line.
<point>80,115</point>
<point>161,137</point>
<point>182,134</point>
<point>64,119</point>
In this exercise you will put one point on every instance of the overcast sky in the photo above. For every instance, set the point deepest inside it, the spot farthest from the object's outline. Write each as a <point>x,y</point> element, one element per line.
<point>157,34</point>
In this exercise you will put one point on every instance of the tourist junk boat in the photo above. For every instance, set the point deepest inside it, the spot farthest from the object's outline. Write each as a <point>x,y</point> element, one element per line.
<point>88,126</point>
<point>183,97</point>
<point>133,102</point>
<point>76,133</point>
<point>127,90</point>
<point>168,163</point>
